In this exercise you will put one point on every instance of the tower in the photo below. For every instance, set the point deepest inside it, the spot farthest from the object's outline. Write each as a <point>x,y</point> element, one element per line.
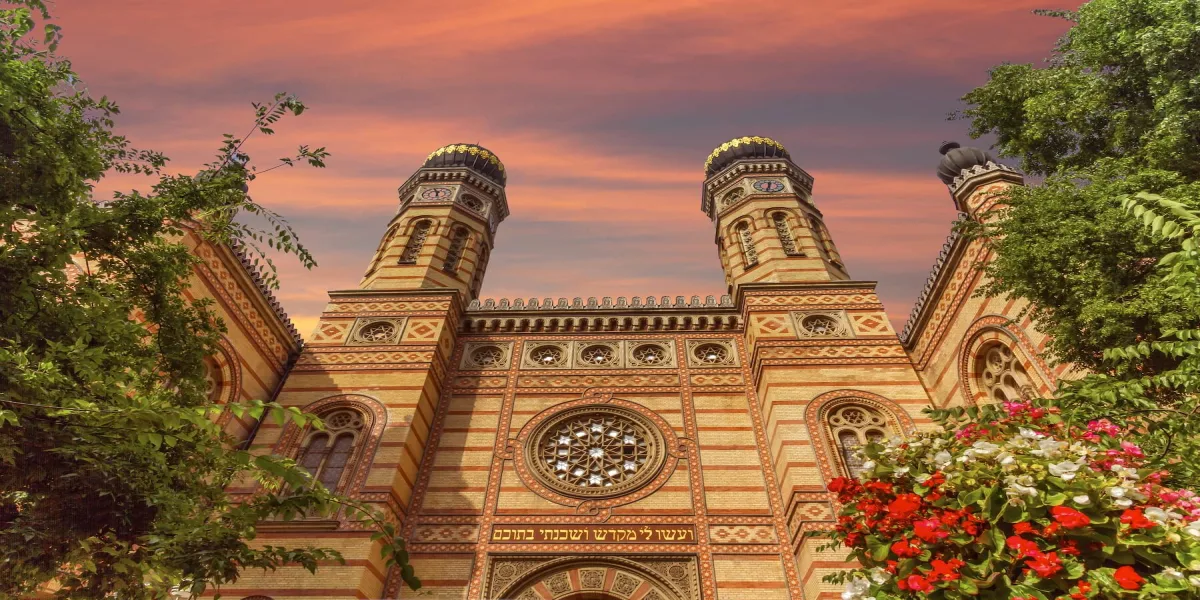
<point>767,228</point>
<point>444,229</point>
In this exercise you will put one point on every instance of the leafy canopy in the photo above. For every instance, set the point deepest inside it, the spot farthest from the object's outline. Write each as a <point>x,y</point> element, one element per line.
<point>112,469</point>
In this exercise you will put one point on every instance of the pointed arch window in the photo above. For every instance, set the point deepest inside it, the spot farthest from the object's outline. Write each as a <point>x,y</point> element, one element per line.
<point>416,241</point>
<point>824,242</point>
<point>746,239</point>
<point>458,241</point>
<point>853,426</point>
<point>1001,376</point>
<point>326,454</point>
<point>784,231</point>
<point>477,278</point>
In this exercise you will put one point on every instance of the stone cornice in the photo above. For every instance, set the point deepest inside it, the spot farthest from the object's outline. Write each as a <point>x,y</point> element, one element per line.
<point>969,180</point>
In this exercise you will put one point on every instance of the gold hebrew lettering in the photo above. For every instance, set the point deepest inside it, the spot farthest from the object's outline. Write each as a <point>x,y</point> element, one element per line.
<point>646,532</point>
<point>576,534</point>
<point>600,535</point>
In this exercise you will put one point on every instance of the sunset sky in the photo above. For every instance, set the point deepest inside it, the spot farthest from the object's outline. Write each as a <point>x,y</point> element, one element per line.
<point>602,111</point>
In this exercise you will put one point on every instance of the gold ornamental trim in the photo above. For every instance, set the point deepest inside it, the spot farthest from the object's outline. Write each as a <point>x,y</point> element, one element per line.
<point>735,142</point>
<point>467,149</point>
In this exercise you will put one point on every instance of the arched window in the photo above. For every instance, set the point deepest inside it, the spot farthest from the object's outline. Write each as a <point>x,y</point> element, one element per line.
<point>853,426</point>
<point>458,241</point>
<point>480,266</point>
<point>326,454</point>
<point>383,244</point>
<point>1001,376</point>
<point>749,254</point>
<point>416,241</point>
<point>824,242</point>
<point>785,234</point>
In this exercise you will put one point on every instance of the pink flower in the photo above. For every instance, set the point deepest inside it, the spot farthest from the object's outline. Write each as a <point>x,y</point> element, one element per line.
<point>1103,426</point>
<point>1132,449</point>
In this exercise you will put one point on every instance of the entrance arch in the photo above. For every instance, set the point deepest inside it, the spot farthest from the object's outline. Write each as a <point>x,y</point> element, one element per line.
<point>594,578</point>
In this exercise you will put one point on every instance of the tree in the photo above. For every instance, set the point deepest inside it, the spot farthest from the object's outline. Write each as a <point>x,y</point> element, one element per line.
<point>112,469</point>
<point>1112,123</point>
<point>1116,111</point>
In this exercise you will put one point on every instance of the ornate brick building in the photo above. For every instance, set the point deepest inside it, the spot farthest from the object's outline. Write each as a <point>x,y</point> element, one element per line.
<point>640,449</point>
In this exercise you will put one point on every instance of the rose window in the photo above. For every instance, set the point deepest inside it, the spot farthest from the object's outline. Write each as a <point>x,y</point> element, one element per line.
<point>547,356</point>
<point>712,354</point>
<point>377,332</point>
<point>595,451</point>
<point>821,325</point>
<point>488,356</point>
<point>1003,377</point>
<point>598,355</point>
<point>473,203</point>
<point>650,355</point>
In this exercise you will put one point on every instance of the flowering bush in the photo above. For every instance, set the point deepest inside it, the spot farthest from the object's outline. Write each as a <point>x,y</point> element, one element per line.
<point>1009,502</point>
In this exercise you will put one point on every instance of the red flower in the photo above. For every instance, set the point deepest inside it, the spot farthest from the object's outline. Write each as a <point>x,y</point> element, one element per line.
<point>839,484</point>
<point>1128,578</point>
<point>935,480</point>
<point>945,570</point>
<point>1045,565</point>
<point>1084,588</point>
<point>915,583</point>
<point>904,506</point>
<point>1135,519</point>
<point>1069,517</point>
<point>928,531</point>
<point>906,549</point>
<point>1022,546</point>
<point>1022,528</point>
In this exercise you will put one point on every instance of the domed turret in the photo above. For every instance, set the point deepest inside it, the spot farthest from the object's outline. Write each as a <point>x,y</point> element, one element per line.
<point>743,147</point>
<point>469,155</point>
<point>956,159</point>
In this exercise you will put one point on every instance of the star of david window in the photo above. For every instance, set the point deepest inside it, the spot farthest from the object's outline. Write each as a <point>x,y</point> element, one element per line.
<point>488,356</point>
<point>598,354</point>
<point>377,332</point>
<point>595,451</point>
<point>650,355</point>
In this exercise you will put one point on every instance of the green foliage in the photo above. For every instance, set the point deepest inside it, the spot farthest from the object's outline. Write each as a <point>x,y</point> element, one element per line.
<point>1122,84</point>
<point>1113,123</point>
<point>113,473</point>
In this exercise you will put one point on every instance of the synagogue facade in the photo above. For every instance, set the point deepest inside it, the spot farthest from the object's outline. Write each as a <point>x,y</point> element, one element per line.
<point>617,449</point>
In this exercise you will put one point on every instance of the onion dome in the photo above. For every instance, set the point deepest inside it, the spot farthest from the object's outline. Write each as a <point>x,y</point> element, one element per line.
<point>743,147</point>
<point>956,159</point>
<point>473,156</point>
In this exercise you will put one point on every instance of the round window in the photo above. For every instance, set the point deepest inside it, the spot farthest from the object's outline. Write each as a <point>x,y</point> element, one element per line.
<point>487,356</point>
<point>649,355</point>
<point>547,356</point>
<point>598,354</point>
<point>380,331</point>
<point>821,325</point>
<point>595,451</point>
<point>711,353</point>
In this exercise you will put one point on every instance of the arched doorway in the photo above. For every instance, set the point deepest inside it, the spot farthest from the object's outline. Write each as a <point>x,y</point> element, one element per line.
<point>589,578</point>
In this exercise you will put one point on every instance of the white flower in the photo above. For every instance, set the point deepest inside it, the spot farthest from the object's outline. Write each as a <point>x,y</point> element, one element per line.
<point>1030,434</point>
<point>1194,580</point>
<point>879,576</point>
<point>900,472</point>
<point>868,465</point>
<point>1116,492</point>
<point>1172,574</point>
<point>1006,458</point>
<point>982,448</point>
<point>1082,500</point>
<point>943,458</point>
<point>856,588</point>
<point>1065,469</point>
<point>1049,447</point>
<point>1123,502</point>
<point>1017,489</point>
<point>922,477</point>
<point>1193,529</point>
<point>1156,514</point>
